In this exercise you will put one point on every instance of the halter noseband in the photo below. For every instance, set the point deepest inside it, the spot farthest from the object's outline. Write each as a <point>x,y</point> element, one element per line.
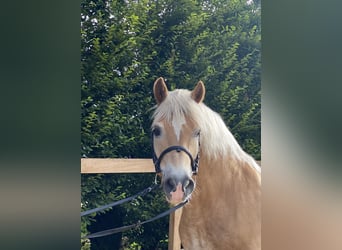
<point>157,161</point>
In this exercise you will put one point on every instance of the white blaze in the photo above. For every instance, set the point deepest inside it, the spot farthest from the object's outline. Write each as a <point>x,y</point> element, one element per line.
<point>177,126</point>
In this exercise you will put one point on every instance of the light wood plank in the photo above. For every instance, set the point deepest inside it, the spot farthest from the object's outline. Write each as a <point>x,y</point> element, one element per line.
<point>174,238</point>
<point>111,165</point>
<point>118,165</point>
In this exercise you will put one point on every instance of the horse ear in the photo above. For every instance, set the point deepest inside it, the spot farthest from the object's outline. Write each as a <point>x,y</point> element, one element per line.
<point>199,92</point>
<point>160,90</point>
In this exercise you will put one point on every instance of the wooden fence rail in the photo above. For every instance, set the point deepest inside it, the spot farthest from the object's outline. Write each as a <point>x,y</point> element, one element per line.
<point>110,165</point>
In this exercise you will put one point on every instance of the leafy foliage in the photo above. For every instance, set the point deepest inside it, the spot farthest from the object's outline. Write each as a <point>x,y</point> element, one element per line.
<point>125,46</point>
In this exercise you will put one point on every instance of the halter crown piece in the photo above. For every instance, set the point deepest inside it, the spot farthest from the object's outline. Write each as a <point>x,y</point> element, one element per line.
<point>193,162</point>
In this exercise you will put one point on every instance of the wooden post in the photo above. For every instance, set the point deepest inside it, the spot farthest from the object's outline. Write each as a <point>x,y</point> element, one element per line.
<point>174,239</point>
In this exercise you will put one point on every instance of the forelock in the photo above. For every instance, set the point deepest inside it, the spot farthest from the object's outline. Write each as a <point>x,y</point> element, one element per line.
<point>177,106</point>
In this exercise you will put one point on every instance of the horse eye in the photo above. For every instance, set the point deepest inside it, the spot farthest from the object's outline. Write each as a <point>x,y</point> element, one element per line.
<point>156,131</point>
<point>197,133</point>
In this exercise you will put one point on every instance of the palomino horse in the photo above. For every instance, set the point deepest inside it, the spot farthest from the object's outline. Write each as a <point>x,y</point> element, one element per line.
<point>224,211</point>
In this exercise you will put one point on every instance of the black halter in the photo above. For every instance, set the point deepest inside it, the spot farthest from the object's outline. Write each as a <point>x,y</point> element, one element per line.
<point>157,161</point>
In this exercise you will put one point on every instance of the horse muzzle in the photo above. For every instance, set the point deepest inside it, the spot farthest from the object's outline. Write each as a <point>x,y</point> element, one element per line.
<point>178,190</point>
<point>176,181</point>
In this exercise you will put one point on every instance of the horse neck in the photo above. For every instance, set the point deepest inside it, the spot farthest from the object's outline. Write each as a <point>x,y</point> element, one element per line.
<point>227,173</point>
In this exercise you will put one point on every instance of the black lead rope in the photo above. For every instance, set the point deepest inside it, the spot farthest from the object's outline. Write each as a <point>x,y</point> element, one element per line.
<point>135,225</point>
<point>116,203</point>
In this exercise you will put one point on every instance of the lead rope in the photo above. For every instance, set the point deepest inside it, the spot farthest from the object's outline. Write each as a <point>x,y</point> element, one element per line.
<point>135,225</point>
<point>116,203</point>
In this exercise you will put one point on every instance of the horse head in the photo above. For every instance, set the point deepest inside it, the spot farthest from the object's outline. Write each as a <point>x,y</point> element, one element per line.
<point>176,139</point>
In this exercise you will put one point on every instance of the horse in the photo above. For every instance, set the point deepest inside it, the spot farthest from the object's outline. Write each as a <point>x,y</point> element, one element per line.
<point>199,160</point>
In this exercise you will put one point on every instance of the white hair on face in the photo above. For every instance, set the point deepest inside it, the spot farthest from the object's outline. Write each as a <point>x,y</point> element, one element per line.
<point>216,139</point>
<point>177,126</point>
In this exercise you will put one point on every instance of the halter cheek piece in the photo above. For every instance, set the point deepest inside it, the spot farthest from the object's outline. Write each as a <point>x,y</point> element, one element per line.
<point>157,161</point>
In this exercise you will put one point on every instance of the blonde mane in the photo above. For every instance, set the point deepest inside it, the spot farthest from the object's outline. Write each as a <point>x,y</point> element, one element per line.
<point>216,140</point>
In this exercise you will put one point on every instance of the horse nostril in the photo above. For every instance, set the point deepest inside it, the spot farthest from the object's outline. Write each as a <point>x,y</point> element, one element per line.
<point>188,186</point>
<point>185,184</point>
<point>170,185</point>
